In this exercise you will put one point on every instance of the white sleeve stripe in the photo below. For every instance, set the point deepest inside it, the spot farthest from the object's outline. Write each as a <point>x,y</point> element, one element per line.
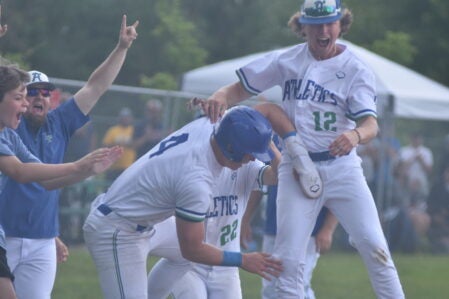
<point>190,215</point>
<point>361,114</point>
<point>245,83</point>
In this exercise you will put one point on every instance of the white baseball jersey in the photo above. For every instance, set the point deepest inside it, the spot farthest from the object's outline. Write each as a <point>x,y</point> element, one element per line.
<point>175,177</point>
<point>223,223</point>
<point>228,205</point>
<point>322,98</point>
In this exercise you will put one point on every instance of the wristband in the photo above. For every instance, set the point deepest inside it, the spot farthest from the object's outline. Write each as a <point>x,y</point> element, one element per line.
<point>292,133</point>
<point>358,135</point>
<point>231,259</point>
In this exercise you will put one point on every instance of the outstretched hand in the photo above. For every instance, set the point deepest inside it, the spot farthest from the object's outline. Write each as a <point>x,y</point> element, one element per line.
<point>99,160</point>
<point>127,33</point>
<point>262,264</point>
<point>3,28</point>
<point>103,164</point>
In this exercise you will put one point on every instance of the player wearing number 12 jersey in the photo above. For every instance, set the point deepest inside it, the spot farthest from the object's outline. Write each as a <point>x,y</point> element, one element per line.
<point>329,96</point>
<point>177,177</point>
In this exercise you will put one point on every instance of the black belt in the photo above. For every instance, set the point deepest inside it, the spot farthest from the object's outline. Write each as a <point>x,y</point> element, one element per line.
<point>321,156</point>
<point>105,210</point>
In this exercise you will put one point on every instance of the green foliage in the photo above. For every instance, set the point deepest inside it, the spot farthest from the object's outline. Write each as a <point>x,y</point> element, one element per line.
<point>68,39</point>
<point>396,46</point>
<point>175,36</point>
<point>159,81</point>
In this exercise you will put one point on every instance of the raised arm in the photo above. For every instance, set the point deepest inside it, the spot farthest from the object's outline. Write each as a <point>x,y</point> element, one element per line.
<point>3,28</point>
<point>102,78</point>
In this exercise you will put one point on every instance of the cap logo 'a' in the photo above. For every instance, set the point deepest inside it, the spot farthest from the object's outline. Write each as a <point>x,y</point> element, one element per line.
<point>36,77</point>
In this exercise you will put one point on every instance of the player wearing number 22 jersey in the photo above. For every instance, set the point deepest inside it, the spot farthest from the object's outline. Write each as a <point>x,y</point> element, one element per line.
<point>222,226</point>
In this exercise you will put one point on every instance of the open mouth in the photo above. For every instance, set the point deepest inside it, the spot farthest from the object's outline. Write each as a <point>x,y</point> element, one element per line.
<point>323,42</point>
<point>37,108</point>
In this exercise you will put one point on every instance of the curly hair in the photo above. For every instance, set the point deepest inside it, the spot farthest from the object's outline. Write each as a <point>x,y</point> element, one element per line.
<point>11,77</point>
<point>345,23</point>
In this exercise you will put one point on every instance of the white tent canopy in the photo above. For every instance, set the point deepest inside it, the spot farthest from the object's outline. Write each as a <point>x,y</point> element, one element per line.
<point>414,95</point>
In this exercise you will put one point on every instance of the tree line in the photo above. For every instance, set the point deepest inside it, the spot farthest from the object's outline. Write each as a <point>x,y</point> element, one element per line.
<point>68,39</point>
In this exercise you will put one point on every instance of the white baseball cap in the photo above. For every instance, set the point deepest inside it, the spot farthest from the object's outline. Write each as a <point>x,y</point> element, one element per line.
<point>320,11</point>
<point>39,80</point>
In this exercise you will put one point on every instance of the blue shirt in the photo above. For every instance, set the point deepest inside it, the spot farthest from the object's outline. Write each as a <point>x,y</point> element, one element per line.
<point>270,214</point>
<point>30,211</point>
<point>11,145</point>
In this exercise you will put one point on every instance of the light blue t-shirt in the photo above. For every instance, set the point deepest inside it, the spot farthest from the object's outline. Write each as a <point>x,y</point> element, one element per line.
<point>31,211</point>
<point>12,145</point>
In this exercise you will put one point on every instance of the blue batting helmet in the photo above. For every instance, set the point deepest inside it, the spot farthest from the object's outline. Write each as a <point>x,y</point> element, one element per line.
<point>242,131</point>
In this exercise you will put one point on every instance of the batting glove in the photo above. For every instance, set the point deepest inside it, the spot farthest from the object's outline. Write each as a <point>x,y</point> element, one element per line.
<point>309,178</point>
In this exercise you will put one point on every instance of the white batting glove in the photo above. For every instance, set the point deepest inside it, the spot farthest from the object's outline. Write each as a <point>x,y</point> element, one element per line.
<point>309,178</point>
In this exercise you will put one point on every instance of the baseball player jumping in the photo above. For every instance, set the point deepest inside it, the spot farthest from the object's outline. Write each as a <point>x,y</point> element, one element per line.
<point>329,95</point>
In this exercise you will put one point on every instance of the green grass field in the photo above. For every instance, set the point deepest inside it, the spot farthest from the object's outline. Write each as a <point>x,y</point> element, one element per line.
<point>337,276</point>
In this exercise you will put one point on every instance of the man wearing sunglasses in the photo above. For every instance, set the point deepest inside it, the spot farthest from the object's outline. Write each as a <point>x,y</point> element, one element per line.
<point>30,213</point>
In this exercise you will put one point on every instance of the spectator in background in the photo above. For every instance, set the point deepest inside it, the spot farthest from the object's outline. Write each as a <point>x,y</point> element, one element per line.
<point>415,167</point>
<point>438,209</point>
<point>121,134</point>
<point>149,131</point>
<point>408,221</point>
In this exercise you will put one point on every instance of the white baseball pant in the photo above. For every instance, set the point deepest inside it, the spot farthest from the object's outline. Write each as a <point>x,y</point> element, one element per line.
<point>33,263</point>
<point>348,197</point>
<point>120,254</point>
<point>209,283</point>
<point>312,256</point>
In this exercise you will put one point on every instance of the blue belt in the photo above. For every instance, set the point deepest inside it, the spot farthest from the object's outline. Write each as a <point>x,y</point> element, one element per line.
<point>105,210</point>
<point>321,156</point>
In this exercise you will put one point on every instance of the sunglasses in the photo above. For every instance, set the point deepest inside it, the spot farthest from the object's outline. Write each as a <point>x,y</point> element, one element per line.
<point>33,92</point>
